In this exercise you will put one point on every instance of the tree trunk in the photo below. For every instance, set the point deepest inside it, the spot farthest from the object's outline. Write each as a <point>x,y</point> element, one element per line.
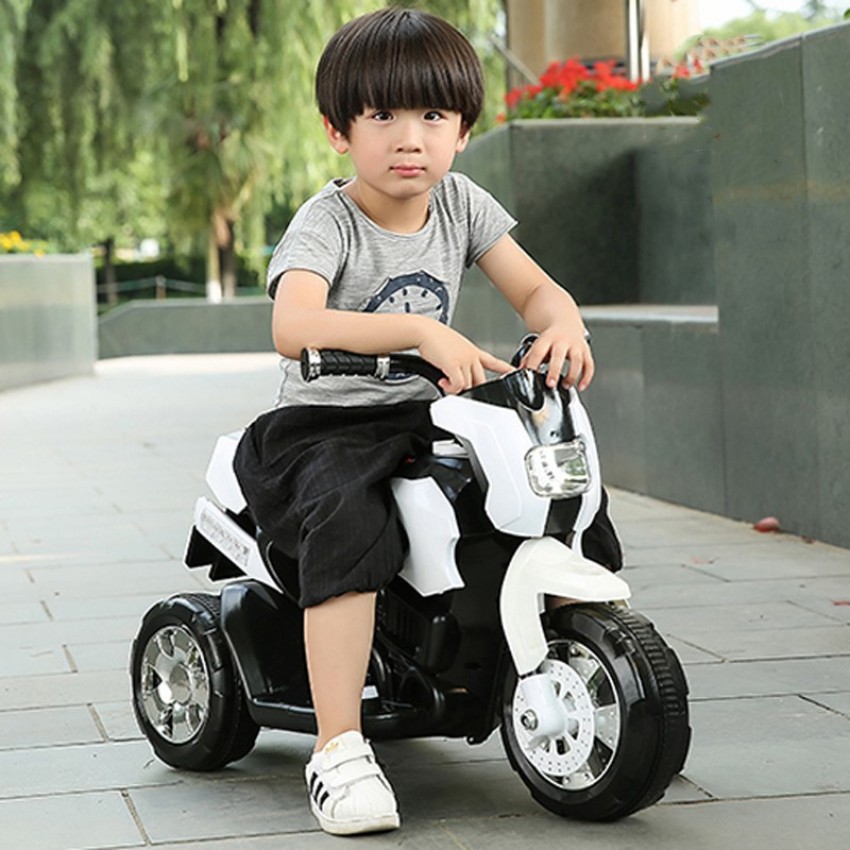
<point>110,285</point>
<point>213,268</point>
<point>227,260</point>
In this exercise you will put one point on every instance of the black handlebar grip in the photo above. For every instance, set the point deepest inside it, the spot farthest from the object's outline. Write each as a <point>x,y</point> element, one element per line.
<point>315,364</point>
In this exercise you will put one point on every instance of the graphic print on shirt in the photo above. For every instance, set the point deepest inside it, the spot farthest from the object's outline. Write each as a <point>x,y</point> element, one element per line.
<point>418,293</point>
<point>412,293</point>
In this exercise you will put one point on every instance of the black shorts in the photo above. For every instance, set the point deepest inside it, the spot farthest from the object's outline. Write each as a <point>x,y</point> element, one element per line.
<point>317,481</point>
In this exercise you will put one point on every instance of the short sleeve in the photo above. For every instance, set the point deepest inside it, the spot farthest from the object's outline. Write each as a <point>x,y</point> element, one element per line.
<point>488,220</point>
<point>313,242</point>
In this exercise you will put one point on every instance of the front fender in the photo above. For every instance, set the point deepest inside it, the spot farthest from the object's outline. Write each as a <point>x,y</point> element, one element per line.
<point>544,567</point>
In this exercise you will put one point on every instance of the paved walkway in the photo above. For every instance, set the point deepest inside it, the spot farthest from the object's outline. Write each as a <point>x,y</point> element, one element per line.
<point>99,476</point>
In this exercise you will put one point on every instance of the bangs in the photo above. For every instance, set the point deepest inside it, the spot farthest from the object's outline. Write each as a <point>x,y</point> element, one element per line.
<point>398,59</point>
<point>409,76</point>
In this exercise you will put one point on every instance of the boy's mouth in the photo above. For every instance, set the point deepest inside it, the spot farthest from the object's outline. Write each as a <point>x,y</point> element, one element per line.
<point>408,170</point>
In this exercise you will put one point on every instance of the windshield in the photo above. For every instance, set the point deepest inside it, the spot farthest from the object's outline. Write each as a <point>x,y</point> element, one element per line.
<point>543,411</point>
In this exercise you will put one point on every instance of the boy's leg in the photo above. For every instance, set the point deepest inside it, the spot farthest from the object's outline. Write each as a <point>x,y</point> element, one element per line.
<point>347,788</point>
<point>338,639</point>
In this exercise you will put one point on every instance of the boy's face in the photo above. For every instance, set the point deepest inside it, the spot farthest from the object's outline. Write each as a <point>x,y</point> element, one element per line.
<point>401,153</point>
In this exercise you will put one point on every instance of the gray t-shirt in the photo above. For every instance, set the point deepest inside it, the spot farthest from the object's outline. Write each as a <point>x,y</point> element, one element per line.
<point>377,271</point>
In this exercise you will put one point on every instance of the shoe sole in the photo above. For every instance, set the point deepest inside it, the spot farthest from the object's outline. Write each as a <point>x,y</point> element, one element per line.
<point>377,823</point>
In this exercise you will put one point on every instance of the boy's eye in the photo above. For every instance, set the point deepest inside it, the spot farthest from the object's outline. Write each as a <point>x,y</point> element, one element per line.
<point>381,115</point>
<point>433,115</point>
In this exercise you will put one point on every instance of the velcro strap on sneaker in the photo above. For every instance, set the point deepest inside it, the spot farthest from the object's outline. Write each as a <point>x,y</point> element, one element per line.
<point>342,755</point>
<point>365,770</point>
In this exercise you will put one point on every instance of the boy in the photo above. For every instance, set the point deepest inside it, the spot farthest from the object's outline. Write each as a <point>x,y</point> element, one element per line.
<point>372,264</point>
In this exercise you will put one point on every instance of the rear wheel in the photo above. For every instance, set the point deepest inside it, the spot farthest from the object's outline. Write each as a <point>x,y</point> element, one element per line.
<point>187,696</point>
<point>625,733</point>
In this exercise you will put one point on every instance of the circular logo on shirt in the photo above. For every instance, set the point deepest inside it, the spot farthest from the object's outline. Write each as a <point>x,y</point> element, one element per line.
<point>412,293</point>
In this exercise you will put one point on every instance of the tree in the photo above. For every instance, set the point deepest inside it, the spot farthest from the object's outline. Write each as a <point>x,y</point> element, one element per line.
<point>80,73</point>
<point>12,13</point>
<point>181,117</point>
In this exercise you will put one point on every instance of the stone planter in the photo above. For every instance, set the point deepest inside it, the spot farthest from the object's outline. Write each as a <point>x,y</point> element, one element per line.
<point>571,183</point>
<point>47,318</point>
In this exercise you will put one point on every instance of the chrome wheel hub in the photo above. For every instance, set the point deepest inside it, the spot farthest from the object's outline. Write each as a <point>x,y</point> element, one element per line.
<point>175,686</point>
<point>578,754</point>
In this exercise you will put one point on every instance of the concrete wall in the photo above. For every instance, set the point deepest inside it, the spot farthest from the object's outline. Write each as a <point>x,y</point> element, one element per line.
<point>572,186</point>
<point>656,404</point>
<point>675,218</point>
<point>47,318</point>
<point>781,178</point>
<point>186,326</point>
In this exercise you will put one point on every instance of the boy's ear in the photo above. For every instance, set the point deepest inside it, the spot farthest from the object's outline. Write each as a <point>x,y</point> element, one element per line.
<point>338,140</point>
<point>463,139</point>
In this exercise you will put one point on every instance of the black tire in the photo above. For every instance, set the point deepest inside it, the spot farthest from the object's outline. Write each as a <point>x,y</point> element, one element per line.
<point>626,695</point>
<point>187,696</point>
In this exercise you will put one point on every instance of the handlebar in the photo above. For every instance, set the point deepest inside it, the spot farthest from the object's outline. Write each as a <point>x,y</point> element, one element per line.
<point>317,364</point>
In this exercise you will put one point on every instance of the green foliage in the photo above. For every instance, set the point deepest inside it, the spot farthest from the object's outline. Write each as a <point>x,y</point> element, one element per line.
<point>169,118</point>
<point>774,27</point>
<point>675,95</point>
<point>12,14</point>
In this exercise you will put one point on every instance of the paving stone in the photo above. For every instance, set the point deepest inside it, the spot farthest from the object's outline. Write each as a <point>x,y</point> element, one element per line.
<point>45,727</point>
<point>752,644</point>
<point>742,616</point>
<point>22,692</point>
<point>834,702</point>
<point>22,612</point>
<point>207,810</point>
<point>679,531</point>
<point>769,678</point>
<point>105,580</point>
<point>785,557</point>
<point>117,720</point>
<point>30,660</point>
<point>787,824</point>
<point>79,821</point>
<point>769,746</point>
<point>824,595</point>
<point>63,607</point>
<point>101,655</point>
<point>86,767</point>
<point>46,635</point>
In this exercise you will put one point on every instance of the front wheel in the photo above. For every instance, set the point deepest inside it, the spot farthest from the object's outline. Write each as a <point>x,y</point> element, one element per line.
<point>626,731</point>
<point>187,696</point>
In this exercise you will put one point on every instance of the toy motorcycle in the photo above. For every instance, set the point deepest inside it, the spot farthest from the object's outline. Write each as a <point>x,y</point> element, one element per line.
<point>591,702</point>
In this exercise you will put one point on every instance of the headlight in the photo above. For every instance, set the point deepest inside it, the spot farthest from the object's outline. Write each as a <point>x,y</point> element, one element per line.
<point>559,471</point>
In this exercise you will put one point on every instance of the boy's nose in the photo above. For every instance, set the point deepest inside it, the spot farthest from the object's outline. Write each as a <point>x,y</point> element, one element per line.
<point>409,137</point>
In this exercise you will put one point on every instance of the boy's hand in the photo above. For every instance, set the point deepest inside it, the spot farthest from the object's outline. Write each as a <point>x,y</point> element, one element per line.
<point>461,361</point>
<point>558,344</point>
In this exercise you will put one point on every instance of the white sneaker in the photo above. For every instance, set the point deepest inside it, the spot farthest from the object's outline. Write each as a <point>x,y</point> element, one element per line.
<point>347,788</point>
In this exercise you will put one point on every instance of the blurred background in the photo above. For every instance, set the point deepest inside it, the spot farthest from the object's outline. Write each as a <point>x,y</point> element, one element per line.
<point>173,139</point>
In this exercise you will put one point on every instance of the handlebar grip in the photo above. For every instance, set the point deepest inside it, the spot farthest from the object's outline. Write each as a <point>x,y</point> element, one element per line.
<point>316,364</point>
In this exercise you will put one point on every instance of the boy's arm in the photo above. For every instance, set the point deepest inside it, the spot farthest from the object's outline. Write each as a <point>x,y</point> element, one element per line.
<point>547,309</point>
<point>301,319</point>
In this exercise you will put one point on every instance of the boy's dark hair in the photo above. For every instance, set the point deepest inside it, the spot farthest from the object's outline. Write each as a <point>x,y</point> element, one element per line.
<point>398,59</point>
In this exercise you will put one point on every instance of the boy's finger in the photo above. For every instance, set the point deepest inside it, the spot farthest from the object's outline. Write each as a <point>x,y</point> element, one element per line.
<point>587,373</point>
<point>573,371</point>
<point>495,364</point>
